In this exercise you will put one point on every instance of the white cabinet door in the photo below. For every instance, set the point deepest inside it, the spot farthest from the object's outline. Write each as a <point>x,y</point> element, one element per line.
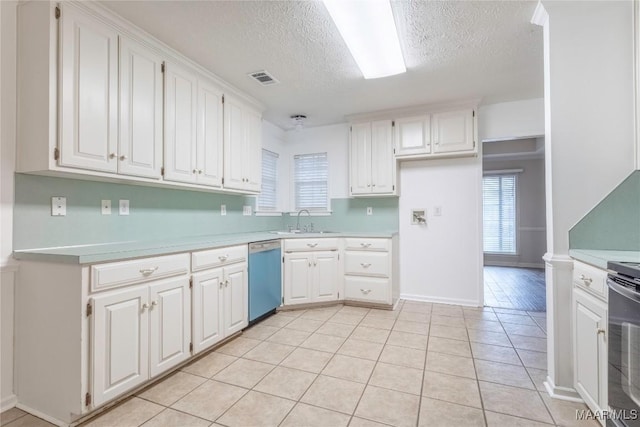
<point>88,88</point>
<point>234,142</point>
<point>140,146</point>
<point>297,278</point>
<point>360,158</point>
<point>325,276</point>
<point>590,351</point>
<point>453,131</point>
<point>169,324</point>
<point>253,153</point>
<point>207,306</point>
<point>210,134</point>
<point>119,342</point>
<point>413,135</point>
<point>383,162</point>
<point>180,124</point>
<point>235,300</point>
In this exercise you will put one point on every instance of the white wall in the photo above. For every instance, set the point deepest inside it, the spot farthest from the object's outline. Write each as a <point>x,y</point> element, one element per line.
<point>442,261</point>
<point>531,237</point>
<point>7,168</point>
<point>589,142</point>
<point>511,120</point>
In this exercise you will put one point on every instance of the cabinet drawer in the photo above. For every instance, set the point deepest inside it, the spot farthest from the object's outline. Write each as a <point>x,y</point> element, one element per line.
<point>371,289</point>
<point>116,274</point>
<point>590,278</point>
<point>367,244</point>
<point>366,263</point>
<point>218,257</point>
<point>319,244</point>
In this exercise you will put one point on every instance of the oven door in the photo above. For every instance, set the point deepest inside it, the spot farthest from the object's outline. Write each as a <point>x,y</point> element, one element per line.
<point>624,355</point>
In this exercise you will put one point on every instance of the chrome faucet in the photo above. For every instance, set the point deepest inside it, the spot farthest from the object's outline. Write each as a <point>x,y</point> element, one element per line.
<point>298,222</point>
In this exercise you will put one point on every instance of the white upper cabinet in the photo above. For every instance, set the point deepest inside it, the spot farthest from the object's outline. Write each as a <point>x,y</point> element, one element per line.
<point>88,92</point>
<point>372,169</point>
<point>210,134</point>
<point>180,124</point>
<point>242,146</point>
<point>453,131</point>
<point>140,146</point>
<point>413,135</point>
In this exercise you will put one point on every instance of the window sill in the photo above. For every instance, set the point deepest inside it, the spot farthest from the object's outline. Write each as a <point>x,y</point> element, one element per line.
<point>313,213</point>
<point>267,213</point>
<point>513,254</point>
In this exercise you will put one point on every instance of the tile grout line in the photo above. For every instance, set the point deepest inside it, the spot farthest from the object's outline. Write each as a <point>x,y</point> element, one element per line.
<point>475,370</point>
<point>424,367</point>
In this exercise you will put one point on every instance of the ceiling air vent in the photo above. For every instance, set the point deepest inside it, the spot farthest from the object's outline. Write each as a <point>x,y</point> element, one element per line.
<point>264,78</point>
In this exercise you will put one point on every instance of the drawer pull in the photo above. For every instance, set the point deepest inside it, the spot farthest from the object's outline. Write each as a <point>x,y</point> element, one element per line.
<point>312,245</point>
<point>587,280</point>
<point>600,331</point>
<point>365,245</point>
<point>154,303</point>
<point>221,285</point>
<point>145,306</point>
<point>223,258</point>
<point>365,264</point>
<point>365,291</point>
<point>226,283</point>
<point>148,271</point>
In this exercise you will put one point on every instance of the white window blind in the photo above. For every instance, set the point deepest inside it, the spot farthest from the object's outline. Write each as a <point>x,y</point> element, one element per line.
<point>499,210</point>
<point>268,198</point>
<point>311,182</point>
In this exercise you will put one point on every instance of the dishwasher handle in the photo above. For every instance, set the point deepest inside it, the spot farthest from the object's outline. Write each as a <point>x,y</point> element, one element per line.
<point>264,246</point>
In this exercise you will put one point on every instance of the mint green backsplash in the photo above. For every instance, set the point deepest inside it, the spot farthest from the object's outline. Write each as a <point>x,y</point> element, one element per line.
<point>160,213</point>
<point>614,224</point>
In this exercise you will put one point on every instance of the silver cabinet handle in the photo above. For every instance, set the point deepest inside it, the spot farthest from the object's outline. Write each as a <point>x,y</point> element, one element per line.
<point>365,264</point>
<point>600,331</point>
<point>148,271</point>
<point>312,245</point>
<point>145,306</point>
<point>113,155</point>
<point>200,171</point>
<point>368,185</point>
<point>365,291</point>
<point>154,303</point>
<point>585,279</point>
<point>373,185</point>
<point>315,263</point>
<point>123,157</point>
<point>195,171</point>
<point>365,245</point>
<point>221,285</point>
<point>223,258</point>
<point>309,263</point>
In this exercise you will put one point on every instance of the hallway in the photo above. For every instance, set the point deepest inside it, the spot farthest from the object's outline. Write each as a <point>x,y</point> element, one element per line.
<point>515,288</point>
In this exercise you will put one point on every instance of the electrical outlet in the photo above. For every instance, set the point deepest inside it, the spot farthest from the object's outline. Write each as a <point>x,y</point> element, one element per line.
<point>437,211</point>
<point>369,210</point>
<point>223,210</point>
<point>106,207</point>
<point>124,207</point>
<point>246,210</point>
<point>58,206</point>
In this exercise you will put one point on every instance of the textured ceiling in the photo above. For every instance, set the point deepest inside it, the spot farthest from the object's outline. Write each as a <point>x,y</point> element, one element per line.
<point>454,50</point>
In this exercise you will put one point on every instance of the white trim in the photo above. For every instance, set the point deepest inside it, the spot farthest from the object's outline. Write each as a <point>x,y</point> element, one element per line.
<point>525,228</point>
<point>8,402</point>
<point>267,213</point>
<point>438,300</point>
<point>561,393</point>
<point>563,262</point>
<point>514,264</point>
<point>540,15</point>
<point>502,172</point>
<point>42,415</point>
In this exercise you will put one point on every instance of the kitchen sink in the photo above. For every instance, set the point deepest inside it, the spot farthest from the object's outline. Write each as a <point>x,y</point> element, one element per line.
<point>306,233</point>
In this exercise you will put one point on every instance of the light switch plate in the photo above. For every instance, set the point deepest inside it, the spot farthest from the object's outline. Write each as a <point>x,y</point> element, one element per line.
<point>369,210</point>
<point>437,211</point>
<point>223,210</point>
<point>124,207</point>
<point>58,206</point>
<point>105,207</point>
<point>246,210</point>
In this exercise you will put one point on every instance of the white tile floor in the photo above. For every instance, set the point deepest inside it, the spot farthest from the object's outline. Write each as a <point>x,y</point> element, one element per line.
<point>420,365</point>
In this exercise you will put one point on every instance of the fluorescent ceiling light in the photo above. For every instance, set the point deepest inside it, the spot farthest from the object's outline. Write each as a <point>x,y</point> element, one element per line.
<point>368,28</point>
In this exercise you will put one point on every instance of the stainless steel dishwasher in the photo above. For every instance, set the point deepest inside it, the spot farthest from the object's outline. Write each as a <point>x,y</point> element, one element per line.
<point>265,279</point>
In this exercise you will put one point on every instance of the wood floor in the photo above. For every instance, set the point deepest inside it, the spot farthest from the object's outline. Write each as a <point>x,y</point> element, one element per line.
<point>515,288</point>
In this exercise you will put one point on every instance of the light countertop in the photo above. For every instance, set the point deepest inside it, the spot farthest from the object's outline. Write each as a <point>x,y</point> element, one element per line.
<point>599,258</point>
<point>116,251</point>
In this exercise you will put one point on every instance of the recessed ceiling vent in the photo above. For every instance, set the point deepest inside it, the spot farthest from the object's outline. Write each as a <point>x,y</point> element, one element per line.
<point>264,78</point>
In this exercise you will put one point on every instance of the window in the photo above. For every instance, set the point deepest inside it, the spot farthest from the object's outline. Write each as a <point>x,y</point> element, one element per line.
<point>499,210</point>
<point>268,198</point>
<point>311,182</point>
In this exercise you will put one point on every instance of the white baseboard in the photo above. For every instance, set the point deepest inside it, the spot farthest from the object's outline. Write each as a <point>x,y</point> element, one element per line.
<point>562,393</point>
<point>8,402</point>
<point>42,415</point>
<point>452,301</point>
<point>514,264</point>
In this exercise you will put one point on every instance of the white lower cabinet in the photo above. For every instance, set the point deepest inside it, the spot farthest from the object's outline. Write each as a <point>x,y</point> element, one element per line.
<point>369,271</point>
<point>590,335</point>
<point>310,277</point>
<point>138,333</point>
<point>220,303</point>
